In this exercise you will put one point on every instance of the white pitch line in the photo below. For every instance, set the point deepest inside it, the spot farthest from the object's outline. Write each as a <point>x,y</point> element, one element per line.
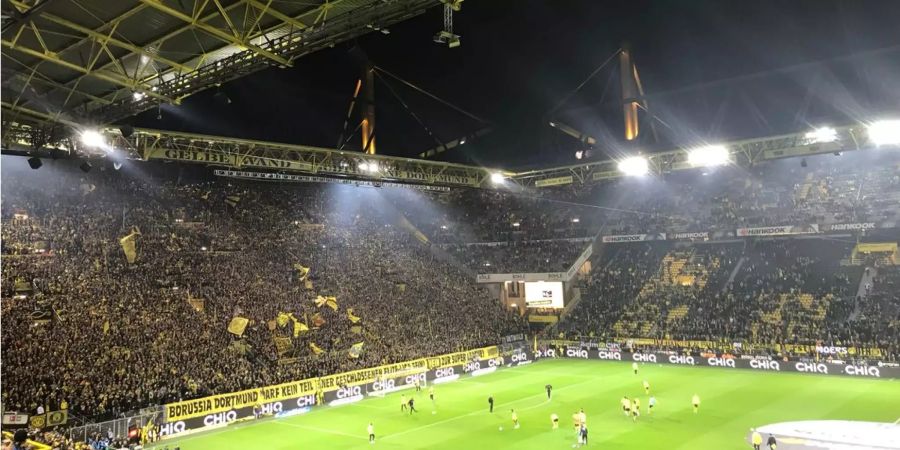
<point>896,422</point>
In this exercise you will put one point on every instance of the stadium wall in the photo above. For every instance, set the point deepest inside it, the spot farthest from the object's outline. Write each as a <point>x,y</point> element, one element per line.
<point>727,363</point>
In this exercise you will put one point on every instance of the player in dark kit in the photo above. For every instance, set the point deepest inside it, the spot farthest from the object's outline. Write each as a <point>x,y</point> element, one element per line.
<point>412,406</point>
<point>549,388</point>
<point>491,403</point>
<point>584,434</point>
<point>771,442</point>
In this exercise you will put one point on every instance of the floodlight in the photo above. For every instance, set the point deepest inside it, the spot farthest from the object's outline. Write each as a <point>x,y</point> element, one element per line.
<point>709,156</point>
<point>576,220</point>
<point>497,178</point>
<point>137,96</point>
<point>885,132</point>
<point>516,224</point>
<point>822,135</point>
<point>579,154</point>
<point>634,166</point>
<point>91,138</point>
<point>369,167</point>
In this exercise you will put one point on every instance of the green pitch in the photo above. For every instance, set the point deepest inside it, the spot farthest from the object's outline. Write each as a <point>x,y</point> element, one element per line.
<point>732,401</point>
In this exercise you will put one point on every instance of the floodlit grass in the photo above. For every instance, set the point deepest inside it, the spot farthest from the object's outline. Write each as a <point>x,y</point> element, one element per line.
<point>732,401</point>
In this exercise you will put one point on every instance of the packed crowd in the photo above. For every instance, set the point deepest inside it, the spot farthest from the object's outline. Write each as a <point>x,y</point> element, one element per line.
<point>111,336</point>
<point>788,291</point>
<point>119,336</point>
<point>495,227</point>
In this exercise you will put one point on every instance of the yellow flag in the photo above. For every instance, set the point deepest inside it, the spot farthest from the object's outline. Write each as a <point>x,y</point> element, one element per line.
<point>308,285</point>
<point>129,246</point>
<point>298,326</point>
<point>329,301</point>
<point>356,350</point>
<point>238,325</point>
<point>282,319</point>
<point>302,272</point>
<point>106,327</point>
<point>315,348</point>
<point>350,316</point>
<point>232,200</point>
<point>197,303</point>
<point>356,329</point>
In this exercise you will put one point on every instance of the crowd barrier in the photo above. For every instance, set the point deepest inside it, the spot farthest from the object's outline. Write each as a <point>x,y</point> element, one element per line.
<point>300,397</point>
<point>882,370</point>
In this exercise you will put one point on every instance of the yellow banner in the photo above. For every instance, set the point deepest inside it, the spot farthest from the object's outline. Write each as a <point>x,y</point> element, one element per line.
<point>363,376</point>
<point>219,403</point>
<point>38,421</point>
<point>542,319</point>
<point>558,181</point>
<point>453,359</point>
<point>55,418</point>
<point>877,247</point>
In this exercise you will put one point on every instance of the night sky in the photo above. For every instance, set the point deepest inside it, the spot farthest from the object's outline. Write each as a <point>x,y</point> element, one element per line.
<point>712,70</point>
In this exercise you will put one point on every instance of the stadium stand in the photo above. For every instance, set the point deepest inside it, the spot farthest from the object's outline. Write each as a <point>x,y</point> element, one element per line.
<point>113,336</point>
<point>117,336</point>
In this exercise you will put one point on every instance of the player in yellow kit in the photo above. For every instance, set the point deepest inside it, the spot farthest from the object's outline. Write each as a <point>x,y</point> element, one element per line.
<point>554,420</point>
<point>626,406</point>
<point>756,440</point>
<point>515,419</point>
<point>636,408</point>
<point>646,387</point>
<point>695,400</point>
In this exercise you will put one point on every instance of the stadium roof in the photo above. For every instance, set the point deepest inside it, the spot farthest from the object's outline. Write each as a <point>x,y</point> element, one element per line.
<point>99,61</point>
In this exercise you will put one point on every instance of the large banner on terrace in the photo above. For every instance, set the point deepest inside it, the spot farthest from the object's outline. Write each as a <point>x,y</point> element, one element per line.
<point>780,230</point>
<point>363,376</point>
<point>634,237</point>
<point>237,400</point>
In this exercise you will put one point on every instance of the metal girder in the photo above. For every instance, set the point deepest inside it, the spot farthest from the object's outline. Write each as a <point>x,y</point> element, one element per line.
<point>292,45</point>
<point>270,156</point>
<point>746,152</point>
<point>108,77</point>
<point>230,39</point>
<point>19,17</point>
<point>100,37</point>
